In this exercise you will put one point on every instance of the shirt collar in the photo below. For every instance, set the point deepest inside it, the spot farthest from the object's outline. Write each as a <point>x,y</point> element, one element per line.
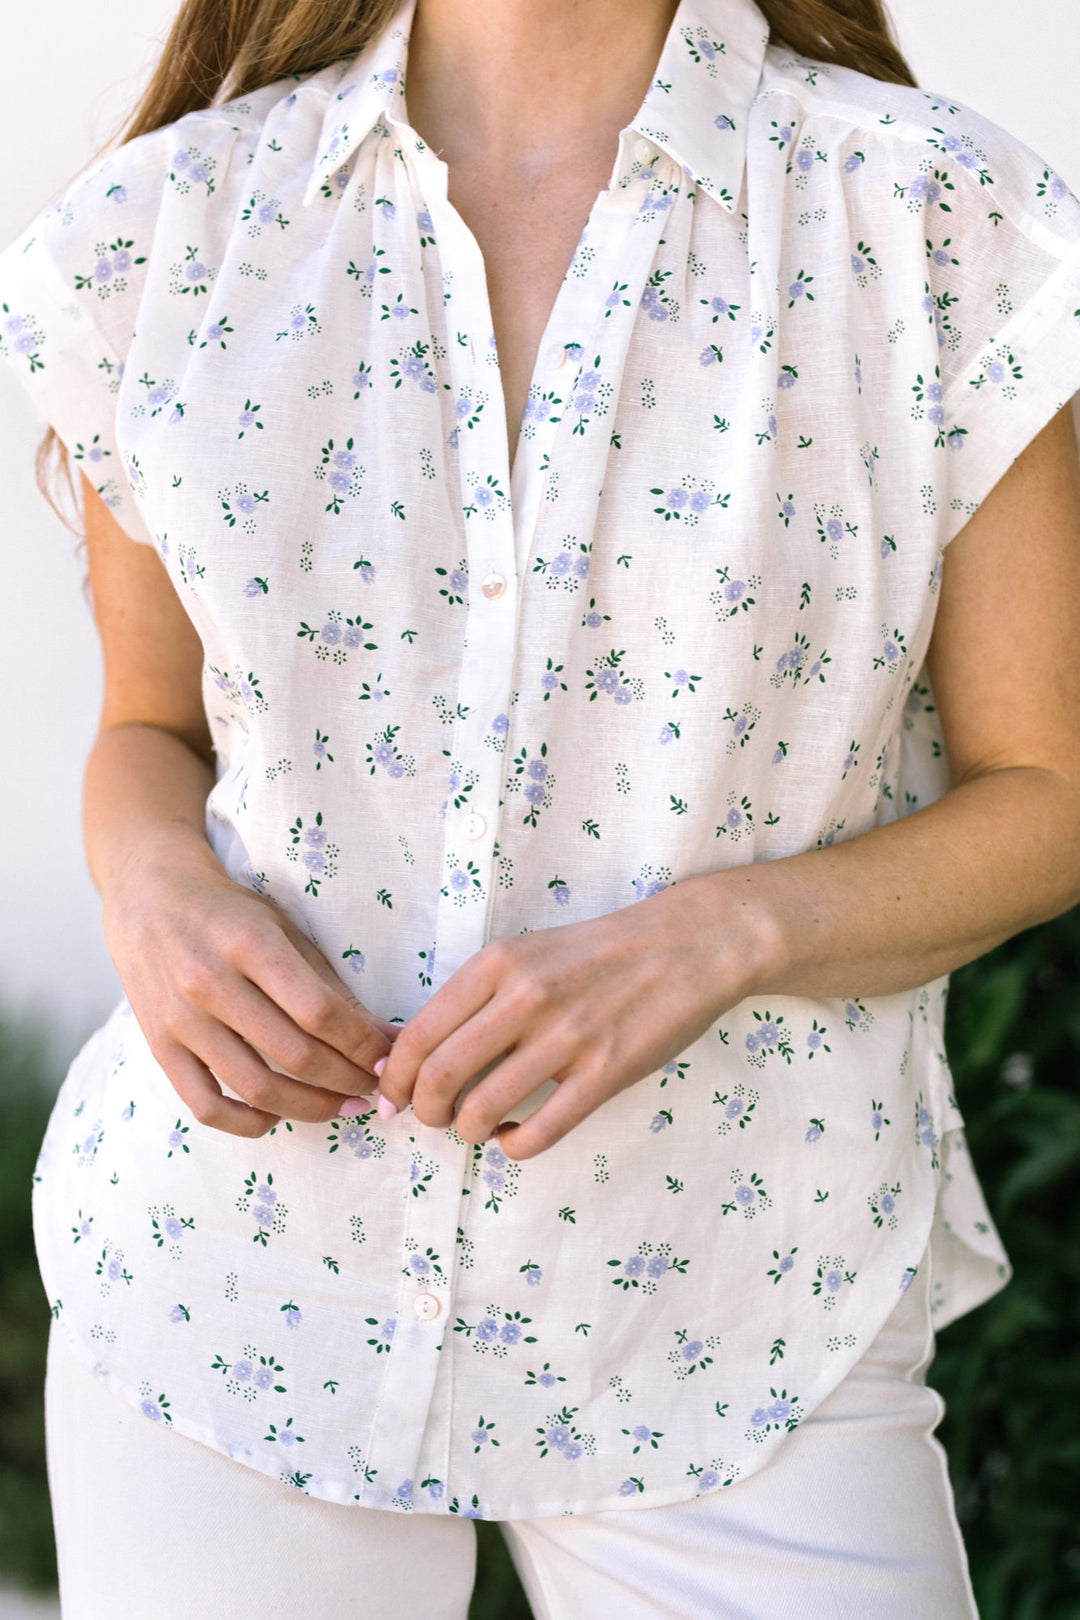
<point>697,107</point>
<point>371,87</point>
<point>695,110</point>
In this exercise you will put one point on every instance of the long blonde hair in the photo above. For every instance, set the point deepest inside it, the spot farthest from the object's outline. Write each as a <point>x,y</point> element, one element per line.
<point>242,45</point>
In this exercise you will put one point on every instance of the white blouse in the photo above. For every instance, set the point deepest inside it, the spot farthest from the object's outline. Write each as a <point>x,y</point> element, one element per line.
<point>808,326</point>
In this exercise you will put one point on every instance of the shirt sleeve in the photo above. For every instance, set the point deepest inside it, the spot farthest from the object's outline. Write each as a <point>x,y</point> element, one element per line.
<point>1003,293</point>
<point>70,289</point>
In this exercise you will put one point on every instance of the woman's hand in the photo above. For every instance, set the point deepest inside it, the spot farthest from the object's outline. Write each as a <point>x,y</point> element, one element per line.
<point>594,1006</point>
<point>219,980</point>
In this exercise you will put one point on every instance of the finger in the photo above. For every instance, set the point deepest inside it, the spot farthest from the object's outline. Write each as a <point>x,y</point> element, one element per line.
<point>243,1007</point>
<point>490,1035</point>
<point>575,1099</point>
<point>202,1096</point>
<point>296,976</point>
<point>458,1001</point>
<point>241,1068</point>
<point>517,1076</point>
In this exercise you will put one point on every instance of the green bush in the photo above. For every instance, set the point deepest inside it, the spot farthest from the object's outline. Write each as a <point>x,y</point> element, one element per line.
<point>1009,1371</point>
<point>26,1543</point>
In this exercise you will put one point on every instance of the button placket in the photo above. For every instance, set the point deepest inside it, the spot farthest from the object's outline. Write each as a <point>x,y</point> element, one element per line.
<point>431,1220</point>
<point>490,636</point>
<point>498,536</point>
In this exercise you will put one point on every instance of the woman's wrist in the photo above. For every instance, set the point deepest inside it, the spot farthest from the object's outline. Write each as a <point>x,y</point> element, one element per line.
<point>741,941</point>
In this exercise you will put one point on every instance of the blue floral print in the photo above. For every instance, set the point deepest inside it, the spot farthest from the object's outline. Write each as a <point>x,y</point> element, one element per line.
<point>453,700</point>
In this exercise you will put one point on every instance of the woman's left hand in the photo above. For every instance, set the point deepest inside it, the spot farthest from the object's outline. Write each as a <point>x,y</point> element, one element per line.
<point>594,1006</point>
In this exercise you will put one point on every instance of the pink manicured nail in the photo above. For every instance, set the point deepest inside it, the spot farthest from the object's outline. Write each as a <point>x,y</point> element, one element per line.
<point>385,1107</point>
<point>354,1105</point>
<point>377,1068</point>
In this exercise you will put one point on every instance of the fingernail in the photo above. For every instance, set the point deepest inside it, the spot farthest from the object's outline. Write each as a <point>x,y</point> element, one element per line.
<point>385,1107</point>
<point>354,1105</point>
<point>377,1068</point>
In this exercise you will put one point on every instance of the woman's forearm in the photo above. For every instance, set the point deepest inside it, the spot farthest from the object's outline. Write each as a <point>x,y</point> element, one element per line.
<point>904,903</point>
<point>144,791</point>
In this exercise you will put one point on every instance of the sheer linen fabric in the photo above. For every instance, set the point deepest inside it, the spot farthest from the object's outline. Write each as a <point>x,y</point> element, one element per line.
<point>809,325</point>
<point>853,1517</point>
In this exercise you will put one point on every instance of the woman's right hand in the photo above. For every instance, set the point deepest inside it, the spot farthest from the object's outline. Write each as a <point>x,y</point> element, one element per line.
<point>221,983</point>
<point>219,980</point>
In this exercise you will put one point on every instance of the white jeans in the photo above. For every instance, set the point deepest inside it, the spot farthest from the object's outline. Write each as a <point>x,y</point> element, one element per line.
<point>853,1520</point>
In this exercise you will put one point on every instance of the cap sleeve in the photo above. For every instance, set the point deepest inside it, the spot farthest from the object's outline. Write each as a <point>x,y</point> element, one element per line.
<point>1002,291</point>
<point>70,288</point>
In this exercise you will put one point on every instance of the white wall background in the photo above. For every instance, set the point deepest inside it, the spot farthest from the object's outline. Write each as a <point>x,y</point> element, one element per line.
<point>77,70</point>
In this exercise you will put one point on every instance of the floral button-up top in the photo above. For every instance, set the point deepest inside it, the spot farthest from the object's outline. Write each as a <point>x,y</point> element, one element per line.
<point>808,326</point>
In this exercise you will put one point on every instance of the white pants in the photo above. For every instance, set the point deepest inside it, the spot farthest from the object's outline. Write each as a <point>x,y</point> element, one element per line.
<point>853,1520</point>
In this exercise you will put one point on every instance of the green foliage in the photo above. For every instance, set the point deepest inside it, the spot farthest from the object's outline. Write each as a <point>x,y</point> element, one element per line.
<point>26,1544</point>
<point>1009,1372</point>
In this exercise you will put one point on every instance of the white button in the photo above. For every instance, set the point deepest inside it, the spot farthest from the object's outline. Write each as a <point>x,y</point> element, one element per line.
<point>493,586</point>
<point>473,825</point>
<point>427,1307</point>
<point>557,354</point>
<point>642,150</point>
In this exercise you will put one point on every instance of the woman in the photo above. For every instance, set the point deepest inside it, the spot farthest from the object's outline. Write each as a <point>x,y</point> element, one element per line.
<point>516,703</point>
